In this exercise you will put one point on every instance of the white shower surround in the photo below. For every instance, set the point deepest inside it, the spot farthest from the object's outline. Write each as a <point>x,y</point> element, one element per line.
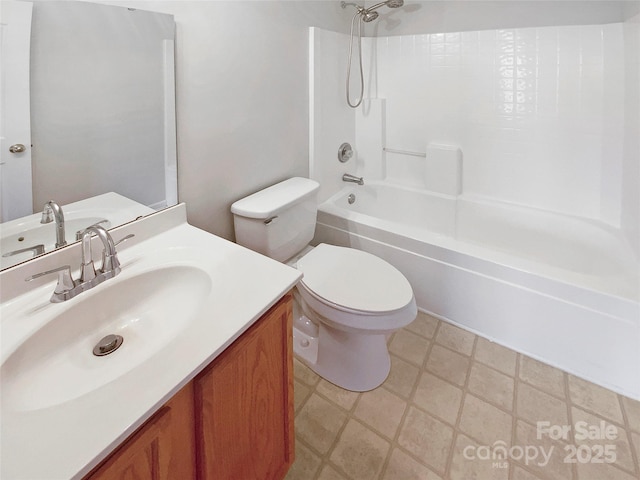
<point>535,254</point>
<point>538,112</point>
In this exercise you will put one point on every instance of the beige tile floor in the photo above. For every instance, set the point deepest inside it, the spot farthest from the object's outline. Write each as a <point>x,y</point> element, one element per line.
<point>451,401</point>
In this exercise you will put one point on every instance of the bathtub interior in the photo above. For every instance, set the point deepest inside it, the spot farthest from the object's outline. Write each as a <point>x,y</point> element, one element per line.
<point>564,248</point>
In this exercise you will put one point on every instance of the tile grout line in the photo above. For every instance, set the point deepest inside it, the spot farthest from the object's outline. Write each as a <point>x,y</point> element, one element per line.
<point>456,428</point>
<point>625,419</point>
<point>462,388</point>
<point>517,379</point>
<point>326,459</point>
<point>424,369</point>
<point>514,410</point>
<point>306,397</point>
<point>591,411</point>
<point>409,401</point>
<point>569,403</point>
<point>394,440</point>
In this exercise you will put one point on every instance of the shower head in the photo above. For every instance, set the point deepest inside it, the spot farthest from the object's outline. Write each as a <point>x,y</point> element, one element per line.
<point>368,16</point>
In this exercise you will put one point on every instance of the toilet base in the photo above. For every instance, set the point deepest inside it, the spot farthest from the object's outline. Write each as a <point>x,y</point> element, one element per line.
<point>305,347</point>
<point>354,361</point>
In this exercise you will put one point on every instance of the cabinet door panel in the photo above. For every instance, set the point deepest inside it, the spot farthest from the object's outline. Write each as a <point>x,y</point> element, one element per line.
<point>244,404</point>
<point>162,449</point>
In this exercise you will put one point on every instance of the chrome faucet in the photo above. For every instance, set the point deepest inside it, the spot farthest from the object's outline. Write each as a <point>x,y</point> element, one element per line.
<point>52,211</point>
<point>110,263</point>
<point>353,179</point>
<point>81,231</point>
<point>67,287</point>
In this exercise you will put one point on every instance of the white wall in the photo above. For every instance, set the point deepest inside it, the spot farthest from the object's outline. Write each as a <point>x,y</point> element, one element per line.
<point>242,97</point>
<point>631,163</point>
<point>331,120</point>
<point>438,16</point>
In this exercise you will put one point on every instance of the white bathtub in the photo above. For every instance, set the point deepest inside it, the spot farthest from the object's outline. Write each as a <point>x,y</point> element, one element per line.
<point>561,289</point>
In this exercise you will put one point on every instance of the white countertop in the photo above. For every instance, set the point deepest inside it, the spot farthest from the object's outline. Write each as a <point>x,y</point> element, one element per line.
<point>66,440</point>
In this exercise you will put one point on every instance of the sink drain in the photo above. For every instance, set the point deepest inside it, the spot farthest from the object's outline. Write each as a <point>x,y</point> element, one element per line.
<point>107,345</point>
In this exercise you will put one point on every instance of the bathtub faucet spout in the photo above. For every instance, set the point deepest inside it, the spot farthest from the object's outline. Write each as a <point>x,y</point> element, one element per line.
<point>352,178</point>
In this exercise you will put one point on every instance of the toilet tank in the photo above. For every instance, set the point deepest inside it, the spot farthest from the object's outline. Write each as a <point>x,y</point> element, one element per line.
<point>278,221</point>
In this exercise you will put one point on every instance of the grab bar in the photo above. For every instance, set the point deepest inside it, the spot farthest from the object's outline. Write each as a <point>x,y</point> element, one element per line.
<point>404,152</point>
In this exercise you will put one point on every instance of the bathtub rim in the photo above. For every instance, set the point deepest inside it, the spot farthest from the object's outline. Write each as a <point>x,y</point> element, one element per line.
<point>354,223</point>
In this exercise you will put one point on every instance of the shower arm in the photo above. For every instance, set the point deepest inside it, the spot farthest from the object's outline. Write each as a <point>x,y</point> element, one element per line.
<point>376,6</point>
<point>359,8</point>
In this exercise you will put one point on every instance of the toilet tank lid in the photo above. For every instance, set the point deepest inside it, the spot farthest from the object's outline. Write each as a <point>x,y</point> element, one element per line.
<point>268,202</point>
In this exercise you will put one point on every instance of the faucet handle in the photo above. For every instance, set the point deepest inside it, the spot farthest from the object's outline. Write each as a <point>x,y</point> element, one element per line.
<point>131,235</point>
<point>110,263</point>
<point>47,216</point>
<point>81,231</point>
<point>36,250</point>
<point>65,281</point>
<point>47,213</point>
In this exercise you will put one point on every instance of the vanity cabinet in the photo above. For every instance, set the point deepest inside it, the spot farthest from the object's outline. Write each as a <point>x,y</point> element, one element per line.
<point>244,404</point>
<point>163,447</point>
<point>233,421</point>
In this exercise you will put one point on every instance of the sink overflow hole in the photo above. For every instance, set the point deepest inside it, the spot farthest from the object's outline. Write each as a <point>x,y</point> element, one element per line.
<point>107,345</point>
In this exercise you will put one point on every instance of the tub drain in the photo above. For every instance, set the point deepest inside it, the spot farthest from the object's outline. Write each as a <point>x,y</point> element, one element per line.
<point>107,345</point>
<point>351,198</point>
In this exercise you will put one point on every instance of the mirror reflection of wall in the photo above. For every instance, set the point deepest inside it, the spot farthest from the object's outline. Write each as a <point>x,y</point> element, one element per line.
<point>102,121</point>
<point>102,103</point>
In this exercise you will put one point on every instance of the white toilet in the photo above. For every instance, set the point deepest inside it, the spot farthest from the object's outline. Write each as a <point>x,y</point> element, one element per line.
<point>348,300</point>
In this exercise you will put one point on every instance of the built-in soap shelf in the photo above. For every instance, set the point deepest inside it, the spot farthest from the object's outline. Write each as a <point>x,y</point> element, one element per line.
<point>440,172</point>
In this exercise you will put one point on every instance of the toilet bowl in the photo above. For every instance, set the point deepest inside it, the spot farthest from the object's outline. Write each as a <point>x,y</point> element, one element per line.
<point>355,299</point>
<point>347,302</point>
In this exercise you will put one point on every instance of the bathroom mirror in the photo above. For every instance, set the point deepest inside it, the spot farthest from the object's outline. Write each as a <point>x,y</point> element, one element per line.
<point>102,111</point>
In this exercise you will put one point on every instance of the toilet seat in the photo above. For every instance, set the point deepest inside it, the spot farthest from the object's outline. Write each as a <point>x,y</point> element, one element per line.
<point>353,288</point>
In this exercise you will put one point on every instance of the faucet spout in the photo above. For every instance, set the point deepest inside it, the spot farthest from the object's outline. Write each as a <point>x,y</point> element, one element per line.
<point>353,179</point>
<point>110,263</point>
<point>52,211</point>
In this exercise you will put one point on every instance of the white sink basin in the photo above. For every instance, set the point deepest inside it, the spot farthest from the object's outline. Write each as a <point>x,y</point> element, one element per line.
<point>182,297</point>
<point>57,364</point>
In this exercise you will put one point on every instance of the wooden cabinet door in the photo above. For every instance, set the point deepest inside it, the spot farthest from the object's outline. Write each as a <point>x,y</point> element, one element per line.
<point>244,404</point>
<point>162,449</point>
